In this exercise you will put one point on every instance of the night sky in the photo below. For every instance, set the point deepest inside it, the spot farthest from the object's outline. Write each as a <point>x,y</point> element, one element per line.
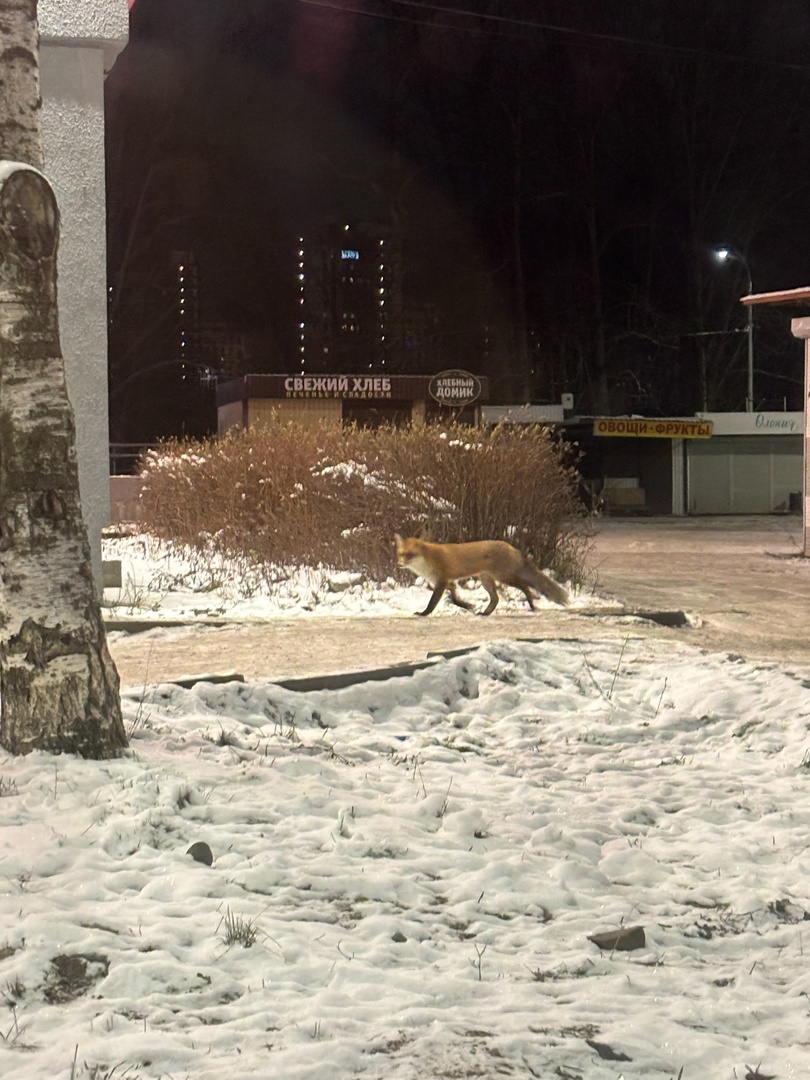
<point>554,175</point>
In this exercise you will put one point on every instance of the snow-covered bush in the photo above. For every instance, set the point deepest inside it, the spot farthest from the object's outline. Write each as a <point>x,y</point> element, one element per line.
<point>286,494</point>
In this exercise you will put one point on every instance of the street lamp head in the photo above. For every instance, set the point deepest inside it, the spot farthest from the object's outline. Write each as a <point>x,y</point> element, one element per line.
<point>727,254</point>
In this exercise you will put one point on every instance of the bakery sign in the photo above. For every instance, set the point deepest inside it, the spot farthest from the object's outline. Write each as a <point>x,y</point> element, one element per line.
<point>455,388</point>
<point>337,386</point>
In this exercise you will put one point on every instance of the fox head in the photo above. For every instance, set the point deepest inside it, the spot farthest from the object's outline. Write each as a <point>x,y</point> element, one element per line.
<point>408,549</point>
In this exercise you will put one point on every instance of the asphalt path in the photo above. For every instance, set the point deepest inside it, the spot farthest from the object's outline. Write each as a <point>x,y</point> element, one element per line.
<point>742,581</point>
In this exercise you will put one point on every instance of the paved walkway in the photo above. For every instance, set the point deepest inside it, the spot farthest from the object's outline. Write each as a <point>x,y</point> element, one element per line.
<point>741,577</point>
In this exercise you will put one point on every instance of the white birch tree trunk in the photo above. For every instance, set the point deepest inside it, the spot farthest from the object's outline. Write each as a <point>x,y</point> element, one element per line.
<point>58,684</point>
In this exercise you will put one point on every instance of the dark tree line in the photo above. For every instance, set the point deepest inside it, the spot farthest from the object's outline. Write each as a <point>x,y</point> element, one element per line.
<point>556,176</point>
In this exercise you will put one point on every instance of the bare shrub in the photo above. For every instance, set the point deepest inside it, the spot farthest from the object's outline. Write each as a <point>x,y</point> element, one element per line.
<point>328,496</point>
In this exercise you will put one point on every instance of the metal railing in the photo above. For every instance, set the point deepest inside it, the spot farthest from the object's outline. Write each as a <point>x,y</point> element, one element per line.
<point>124,457</point>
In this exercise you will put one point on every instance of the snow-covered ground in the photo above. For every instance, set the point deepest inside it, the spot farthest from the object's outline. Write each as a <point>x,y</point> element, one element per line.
<point>405,876</point>
<point>164,582</point>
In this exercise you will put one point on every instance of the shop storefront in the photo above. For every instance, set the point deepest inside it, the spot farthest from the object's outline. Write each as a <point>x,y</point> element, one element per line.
<point>753,464</point>
<point>369,400</point>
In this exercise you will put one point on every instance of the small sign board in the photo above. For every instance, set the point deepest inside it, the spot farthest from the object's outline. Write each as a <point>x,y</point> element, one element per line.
<point>455,388</point>
<point>637,427</point>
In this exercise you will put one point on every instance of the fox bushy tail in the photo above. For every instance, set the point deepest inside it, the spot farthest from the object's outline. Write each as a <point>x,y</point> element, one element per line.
<point>548,587</point>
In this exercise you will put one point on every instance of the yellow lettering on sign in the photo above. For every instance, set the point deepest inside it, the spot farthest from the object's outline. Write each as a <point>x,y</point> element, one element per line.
<point>653,429</point>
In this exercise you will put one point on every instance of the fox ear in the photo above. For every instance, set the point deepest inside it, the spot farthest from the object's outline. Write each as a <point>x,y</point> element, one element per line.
<point>397,539</point>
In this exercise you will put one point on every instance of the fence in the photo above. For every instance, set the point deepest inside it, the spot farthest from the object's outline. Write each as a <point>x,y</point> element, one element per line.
<point>124,457</point>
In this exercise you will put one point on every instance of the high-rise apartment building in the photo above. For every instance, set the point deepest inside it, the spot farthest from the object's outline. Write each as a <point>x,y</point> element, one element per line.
<point>349,301</point>
<point>187,313</point>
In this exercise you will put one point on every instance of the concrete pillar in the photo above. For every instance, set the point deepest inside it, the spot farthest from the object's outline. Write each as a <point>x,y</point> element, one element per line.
<point>801,329</point>
<point>79,42</point>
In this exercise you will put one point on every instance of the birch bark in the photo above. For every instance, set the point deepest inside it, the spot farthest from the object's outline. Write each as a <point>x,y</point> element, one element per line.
<point>58,684</point>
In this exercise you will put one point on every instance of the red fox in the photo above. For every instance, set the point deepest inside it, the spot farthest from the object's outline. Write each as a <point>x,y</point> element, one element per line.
<point>491,561</point>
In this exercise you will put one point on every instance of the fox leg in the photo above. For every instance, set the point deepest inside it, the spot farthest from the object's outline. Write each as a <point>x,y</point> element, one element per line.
<point>524,588</point>
<point>435,597</point>
<point>451,592</point>
<point>489,584</point>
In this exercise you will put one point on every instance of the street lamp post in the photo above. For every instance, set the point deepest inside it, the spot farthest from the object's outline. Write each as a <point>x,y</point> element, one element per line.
<point>725,255</point>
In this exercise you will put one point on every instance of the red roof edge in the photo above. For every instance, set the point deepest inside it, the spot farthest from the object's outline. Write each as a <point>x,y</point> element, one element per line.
<point>783,296</point>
